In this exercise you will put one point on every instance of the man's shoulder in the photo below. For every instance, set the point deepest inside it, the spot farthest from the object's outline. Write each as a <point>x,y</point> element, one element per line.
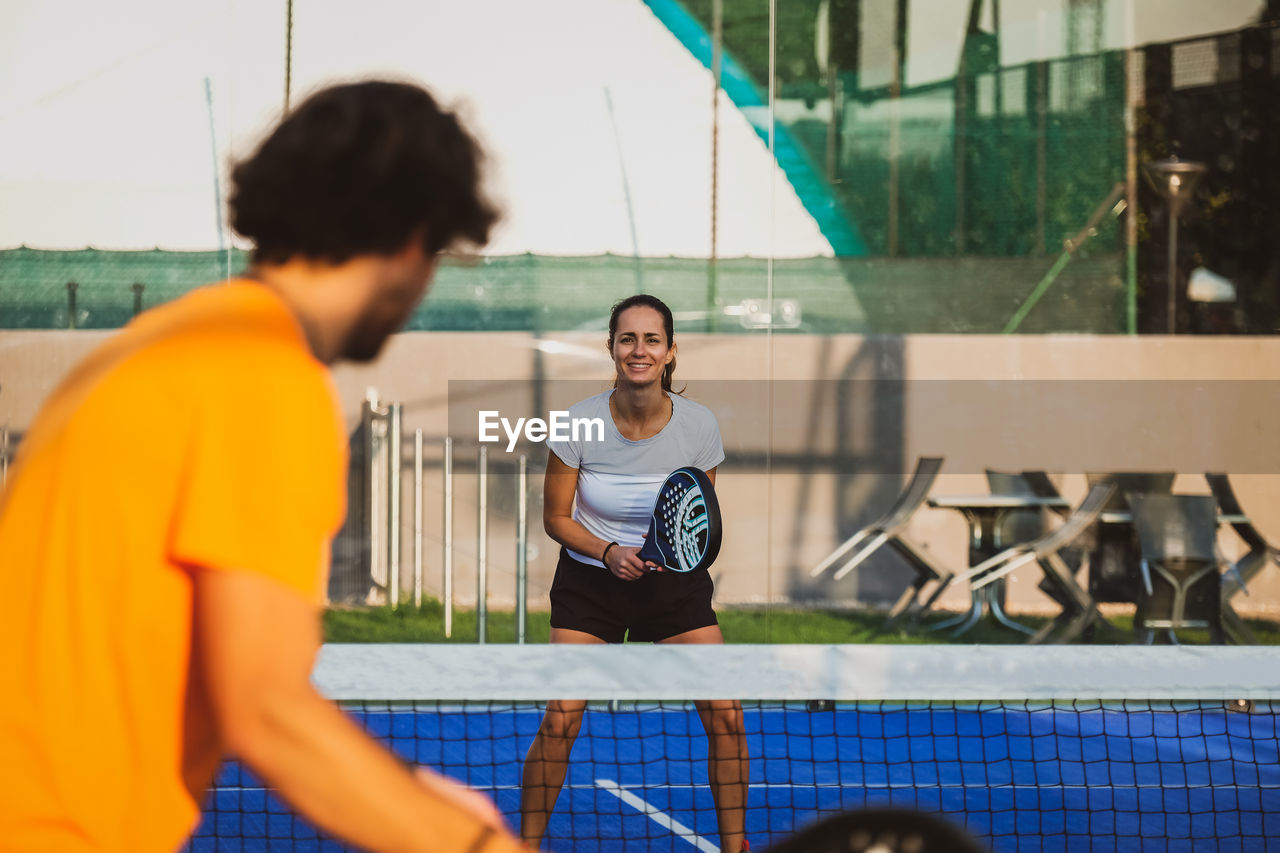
<point>224,344</point>
<point>226,325</point>
<point>234,308</point>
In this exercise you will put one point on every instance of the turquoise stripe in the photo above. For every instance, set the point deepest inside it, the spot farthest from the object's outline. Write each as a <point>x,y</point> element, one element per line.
<point>805,178</point>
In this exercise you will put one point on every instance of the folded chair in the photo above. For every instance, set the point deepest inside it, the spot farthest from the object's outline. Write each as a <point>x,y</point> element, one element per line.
<point>1026,525</point>
<point>1113,564</point>
<point>1243,570</point>
<point>1079,610</point>
<point>888,530</point>
<point>1181,584</point>
<point>1023,483</point>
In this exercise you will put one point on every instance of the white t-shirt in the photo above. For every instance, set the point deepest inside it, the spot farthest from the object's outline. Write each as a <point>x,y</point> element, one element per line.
<point>618,479</point>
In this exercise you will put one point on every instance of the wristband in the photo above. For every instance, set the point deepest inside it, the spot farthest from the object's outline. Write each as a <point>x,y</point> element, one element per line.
<point>606,552</point>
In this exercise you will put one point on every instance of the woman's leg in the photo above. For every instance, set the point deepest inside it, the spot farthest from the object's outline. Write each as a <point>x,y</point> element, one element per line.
<point>727,761</point>
<point>548,758</point>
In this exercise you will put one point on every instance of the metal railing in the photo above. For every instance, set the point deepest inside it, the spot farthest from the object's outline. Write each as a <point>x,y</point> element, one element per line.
<point>381,469</point>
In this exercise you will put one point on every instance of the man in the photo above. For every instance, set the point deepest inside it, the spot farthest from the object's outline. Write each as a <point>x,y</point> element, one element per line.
<point>165,530</point>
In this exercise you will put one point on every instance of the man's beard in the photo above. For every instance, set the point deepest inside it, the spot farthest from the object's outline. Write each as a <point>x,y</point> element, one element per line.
<point>363,346</point>
<point>368,336</point>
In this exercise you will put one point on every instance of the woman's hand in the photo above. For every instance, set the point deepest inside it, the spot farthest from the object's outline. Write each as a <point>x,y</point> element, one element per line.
<point>625,563</point>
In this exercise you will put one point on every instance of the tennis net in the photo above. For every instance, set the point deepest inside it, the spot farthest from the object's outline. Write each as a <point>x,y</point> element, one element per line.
<point>1063,748</point>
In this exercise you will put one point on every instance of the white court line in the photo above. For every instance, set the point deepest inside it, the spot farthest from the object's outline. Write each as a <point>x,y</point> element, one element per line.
<point>661,818</point>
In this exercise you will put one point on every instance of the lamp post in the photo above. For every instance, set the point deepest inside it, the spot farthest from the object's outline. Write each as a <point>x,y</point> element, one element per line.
<point>1175,180</point>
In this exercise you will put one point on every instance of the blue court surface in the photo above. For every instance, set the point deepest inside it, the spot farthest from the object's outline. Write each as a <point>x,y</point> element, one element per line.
<point>1022,778</point>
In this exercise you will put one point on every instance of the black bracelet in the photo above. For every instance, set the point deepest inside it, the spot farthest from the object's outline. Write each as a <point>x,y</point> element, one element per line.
<point>606,552</point>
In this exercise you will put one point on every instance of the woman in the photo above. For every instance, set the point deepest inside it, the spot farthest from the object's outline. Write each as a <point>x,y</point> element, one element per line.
<point>596,502</point>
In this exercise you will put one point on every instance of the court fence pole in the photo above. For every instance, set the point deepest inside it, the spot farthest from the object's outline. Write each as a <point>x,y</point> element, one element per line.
<point>482,567</point>
<point>717,74</point>
<point>1172,264</point>
<point>447,561</point>
<point>370,485</point>
<point>372,418</point>
<point>1133,102</point>
<point>522,544</point>
<point>395,464</point>
<point>417,518</point>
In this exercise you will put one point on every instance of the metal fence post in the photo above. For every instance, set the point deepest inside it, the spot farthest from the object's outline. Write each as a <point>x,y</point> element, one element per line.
<point>395,464</point>
<point>522,545</point>
<point>376,468</point>
<point>447,560</point>
<point>482,568</point>
<point>71,304</point>
<point>417,518</point>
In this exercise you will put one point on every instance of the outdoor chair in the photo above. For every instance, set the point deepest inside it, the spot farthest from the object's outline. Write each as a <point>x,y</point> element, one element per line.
<point>1023,483</point>
<point>1181,586</point>
<point>889,530</point>
<point>1243,570</point>
<point>1027,525</point>
<point>1020,525</point>
<point>1114,573</point>
<point>1079,610</point>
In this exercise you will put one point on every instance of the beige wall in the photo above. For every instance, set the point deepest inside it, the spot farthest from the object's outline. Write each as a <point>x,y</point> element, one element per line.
<point>797,482</point>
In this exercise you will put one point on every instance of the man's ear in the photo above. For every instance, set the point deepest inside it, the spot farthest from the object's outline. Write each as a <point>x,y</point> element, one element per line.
<point>417,242</point>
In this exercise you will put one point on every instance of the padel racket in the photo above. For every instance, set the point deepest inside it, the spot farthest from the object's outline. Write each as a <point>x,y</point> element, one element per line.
<point>684,526</point>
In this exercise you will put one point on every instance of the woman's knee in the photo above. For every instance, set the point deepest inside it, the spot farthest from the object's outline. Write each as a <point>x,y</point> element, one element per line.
<point>561,723</point>
<point>726,719</point>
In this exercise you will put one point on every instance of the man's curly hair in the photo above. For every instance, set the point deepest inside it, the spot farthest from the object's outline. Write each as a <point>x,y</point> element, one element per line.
<point>357,169</point>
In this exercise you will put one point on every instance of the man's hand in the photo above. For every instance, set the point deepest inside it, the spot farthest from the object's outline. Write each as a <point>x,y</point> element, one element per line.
<point>464,798</point>
<point>256,640</point>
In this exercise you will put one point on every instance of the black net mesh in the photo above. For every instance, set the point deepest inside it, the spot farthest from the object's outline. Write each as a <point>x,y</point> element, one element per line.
<point>1020,776</point>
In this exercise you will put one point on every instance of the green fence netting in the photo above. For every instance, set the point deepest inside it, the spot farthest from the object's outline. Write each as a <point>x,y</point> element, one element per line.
<point>537,293</point>
<point>995,160</point>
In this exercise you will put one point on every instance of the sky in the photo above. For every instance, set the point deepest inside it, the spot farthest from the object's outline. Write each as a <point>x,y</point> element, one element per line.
<point>597,121</point>
<point>118,121</point>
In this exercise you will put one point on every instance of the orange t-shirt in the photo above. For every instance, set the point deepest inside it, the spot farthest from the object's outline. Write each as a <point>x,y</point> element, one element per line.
<point>205,436</point>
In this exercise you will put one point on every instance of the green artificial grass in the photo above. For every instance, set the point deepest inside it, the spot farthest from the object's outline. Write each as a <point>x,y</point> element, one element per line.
<point>410,624</point>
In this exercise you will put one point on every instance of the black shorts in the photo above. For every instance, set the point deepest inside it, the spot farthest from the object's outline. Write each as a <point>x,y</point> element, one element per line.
<point>652,608</point>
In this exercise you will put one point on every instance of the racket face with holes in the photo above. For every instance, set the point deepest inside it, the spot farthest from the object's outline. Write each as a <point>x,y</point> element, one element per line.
<point>684,526</point>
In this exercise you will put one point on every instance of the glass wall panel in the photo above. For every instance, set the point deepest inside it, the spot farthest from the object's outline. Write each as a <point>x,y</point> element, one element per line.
<point>938,268</point>
<point>853,195</point>
<point>993,160</point>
